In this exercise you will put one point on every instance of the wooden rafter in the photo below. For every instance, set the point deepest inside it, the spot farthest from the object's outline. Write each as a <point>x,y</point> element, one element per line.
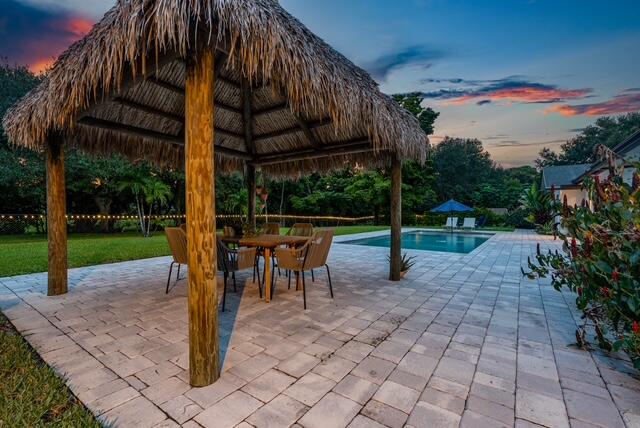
<point>180,91</point>
<point>272,109</point>
<point>160,136</point>
<point>150,110</point>
<point>307,132</point>
<point>281,132</point>
<point>358,145</point>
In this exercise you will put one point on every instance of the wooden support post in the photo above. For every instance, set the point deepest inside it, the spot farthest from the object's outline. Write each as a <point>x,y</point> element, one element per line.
<point>396,219</point>
<point>247,120</point>
<point>204,366</point>
<point>251,189</point>
<point>56,216</point>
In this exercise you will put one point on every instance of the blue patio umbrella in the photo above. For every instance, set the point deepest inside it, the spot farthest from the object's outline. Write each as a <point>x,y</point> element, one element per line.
<point>451,206</point>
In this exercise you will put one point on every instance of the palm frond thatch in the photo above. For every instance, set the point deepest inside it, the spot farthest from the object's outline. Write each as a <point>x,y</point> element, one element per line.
<point>106,76</point>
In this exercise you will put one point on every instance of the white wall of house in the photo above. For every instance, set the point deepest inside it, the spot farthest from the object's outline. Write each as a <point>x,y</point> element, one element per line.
<point>574,196</point>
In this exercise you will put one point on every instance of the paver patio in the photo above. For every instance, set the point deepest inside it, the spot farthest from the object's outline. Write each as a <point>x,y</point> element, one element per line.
<point>463,340</point>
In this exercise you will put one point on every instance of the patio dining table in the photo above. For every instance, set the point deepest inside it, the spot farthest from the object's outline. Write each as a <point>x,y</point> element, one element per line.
<point>268,243</point>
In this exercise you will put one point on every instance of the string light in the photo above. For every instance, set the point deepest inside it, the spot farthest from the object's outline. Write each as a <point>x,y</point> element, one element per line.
<point>181,216</point>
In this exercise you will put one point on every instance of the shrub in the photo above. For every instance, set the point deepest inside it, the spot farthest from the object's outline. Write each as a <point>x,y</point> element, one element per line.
<point>600,262</point>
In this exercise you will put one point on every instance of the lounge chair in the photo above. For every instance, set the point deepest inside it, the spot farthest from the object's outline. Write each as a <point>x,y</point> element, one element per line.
<point>469,223</point>
<point>230,261</point>
<point>177,238</point>
<point>311,255</point>
<point>452,222</point>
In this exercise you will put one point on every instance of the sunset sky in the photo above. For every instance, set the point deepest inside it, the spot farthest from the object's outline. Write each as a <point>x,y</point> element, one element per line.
<point>517,74</point>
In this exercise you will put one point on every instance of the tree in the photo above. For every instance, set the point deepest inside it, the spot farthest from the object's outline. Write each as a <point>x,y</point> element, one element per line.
<point>145,189</point>
<point>22,188</point>
<point>607,130</point>
<point>462,166</point>
<point>413,103</point>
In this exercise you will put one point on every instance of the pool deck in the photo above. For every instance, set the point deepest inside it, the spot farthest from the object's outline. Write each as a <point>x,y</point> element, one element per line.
<point>463,340</point>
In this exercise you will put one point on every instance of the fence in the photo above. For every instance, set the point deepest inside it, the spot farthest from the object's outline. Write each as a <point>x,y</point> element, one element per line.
<point>20,224</point>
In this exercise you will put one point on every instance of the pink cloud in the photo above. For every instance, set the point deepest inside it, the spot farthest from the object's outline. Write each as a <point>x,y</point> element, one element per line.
<point>525,94</point>
<point>626,102</point>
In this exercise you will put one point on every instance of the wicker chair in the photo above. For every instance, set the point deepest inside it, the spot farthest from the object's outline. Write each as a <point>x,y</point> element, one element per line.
<point>177,238</point>
<point>301,229</point>
<point>310,256</point>
<point>230,261</point>
<point>271,228</point>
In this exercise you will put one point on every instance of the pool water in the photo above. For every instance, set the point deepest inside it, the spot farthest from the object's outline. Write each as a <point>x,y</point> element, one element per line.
<point>432,241</point>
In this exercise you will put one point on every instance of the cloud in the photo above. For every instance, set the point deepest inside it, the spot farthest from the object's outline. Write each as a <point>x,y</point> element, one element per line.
<point>509,89</point>
<point>35,36</point>
<point>626,102</point>
<point>422,56</point>
<point>87,8</point>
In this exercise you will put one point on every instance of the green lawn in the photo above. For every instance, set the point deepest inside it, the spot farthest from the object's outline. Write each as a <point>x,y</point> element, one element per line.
<point>28,254</point>
<point>31,394</point>
<point>24,254</point>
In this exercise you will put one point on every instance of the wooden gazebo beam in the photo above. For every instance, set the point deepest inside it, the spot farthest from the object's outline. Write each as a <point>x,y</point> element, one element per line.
<point>280,132</point>
<point>358,145</point>
<point>56,216</point>
<point>177,140</point>
<point>395,256</point>
<point>204,367</point>
<point>247,119</point>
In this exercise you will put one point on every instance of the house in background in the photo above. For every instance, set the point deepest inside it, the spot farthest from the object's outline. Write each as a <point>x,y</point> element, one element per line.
<point>627,153</point>
<point>567,179</point>
<point>563,178</point>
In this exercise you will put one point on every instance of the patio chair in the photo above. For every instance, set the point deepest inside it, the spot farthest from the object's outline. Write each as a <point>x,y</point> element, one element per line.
<point>271,228</point>
<point>177,238</point>
<point>452,222</point>
<point>469,223</point>
<point>228,232</point>
<point>311,255</point>
<point>230,261</point>
<point>301,229</point>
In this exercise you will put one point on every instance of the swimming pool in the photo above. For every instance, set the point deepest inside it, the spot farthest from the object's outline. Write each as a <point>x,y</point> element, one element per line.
<point>455,242</point>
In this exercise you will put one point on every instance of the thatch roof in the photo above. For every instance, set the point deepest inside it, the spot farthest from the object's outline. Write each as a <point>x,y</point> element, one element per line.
<point>120,89</point>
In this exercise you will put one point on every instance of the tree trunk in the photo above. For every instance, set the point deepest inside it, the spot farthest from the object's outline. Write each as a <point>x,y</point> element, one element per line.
<point>204,367</point>
<point>149,221</point>
<point>104,208</point>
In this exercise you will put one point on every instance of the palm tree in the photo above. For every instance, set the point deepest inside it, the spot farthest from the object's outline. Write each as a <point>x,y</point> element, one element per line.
<point>149,190</point>
<point>155,191</point>
<point>135,184</point>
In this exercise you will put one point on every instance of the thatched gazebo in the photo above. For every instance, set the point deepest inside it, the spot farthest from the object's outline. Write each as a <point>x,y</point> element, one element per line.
<point>216,86</point>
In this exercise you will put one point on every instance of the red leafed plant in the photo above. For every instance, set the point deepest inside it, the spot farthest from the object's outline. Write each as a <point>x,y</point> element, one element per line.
<point>600,261</point>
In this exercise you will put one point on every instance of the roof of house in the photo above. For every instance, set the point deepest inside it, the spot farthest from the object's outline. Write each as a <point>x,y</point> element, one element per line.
<point>120,89</point>
<point>621,150</point>
<point>563,175</point>
<point>627,145</point>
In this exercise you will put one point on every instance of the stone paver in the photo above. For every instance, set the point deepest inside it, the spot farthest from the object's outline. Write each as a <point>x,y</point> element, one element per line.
<point>462,340</point>
<point>333,411</point>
